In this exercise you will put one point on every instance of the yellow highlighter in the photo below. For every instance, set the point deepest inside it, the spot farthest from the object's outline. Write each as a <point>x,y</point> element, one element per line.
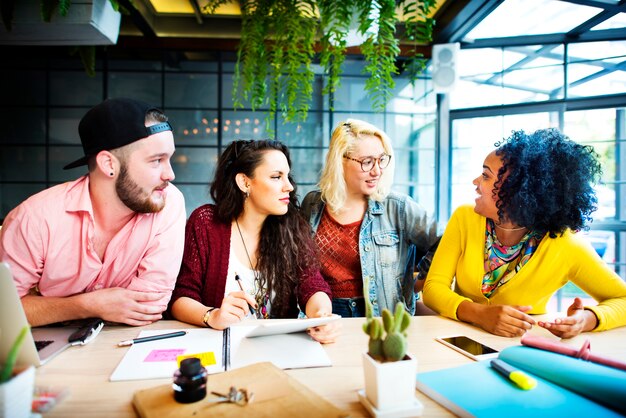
<point>521,379</point>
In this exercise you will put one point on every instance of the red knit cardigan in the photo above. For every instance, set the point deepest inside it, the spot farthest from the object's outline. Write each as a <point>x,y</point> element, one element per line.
<point>204,268</point>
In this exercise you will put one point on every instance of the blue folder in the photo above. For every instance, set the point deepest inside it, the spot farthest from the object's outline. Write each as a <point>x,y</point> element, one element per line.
<point>478,390</point>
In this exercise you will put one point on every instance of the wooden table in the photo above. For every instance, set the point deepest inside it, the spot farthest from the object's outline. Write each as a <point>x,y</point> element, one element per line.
<point>85,370</point>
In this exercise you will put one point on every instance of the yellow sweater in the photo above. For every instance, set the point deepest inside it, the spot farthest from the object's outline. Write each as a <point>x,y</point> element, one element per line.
<point>555,262</point>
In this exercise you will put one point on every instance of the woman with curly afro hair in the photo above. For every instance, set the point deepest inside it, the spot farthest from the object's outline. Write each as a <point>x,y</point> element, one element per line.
<point>518,244</point>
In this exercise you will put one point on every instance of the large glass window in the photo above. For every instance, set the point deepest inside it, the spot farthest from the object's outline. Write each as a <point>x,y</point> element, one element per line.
<point>498,76</point>
<point>596,68</point>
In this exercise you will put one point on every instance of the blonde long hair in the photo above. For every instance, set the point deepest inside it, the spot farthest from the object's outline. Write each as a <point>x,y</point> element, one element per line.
<point>344,141</point>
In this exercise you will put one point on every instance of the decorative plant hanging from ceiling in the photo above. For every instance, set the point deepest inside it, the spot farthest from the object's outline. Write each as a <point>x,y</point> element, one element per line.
<point>279,40</point>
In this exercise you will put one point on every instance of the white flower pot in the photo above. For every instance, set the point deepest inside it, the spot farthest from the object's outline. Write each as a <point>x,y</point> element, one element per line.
<point>88,22</point>
<point>16,395</point>
<point>390,385</point>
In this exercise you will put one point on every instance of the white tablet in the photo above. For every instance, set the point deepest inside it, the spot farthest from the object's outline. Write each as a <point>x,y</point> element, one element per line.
<point>287,326</point>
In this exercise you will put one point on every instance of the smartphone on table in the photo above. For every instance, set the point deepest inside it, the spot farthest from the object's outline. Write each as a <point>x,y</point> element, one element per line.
<point>468,347</point>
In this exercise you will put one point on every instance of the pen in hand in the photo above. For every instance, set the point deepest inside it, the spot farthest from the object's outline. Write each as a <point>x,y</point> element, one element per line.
<point>521,379</point>
<point>151,338</point>
<point>238,280</point>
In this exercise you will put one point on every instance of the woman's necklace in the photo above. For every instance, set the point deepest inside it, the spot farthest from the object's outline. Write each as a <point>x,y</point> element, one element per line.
<point>509,229</point>
<point>259,297</point>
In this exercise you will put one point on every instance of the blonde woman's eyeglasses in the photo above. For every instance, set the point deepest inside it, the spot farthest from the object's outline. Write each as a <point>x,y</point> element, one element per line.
<point>367,163</point>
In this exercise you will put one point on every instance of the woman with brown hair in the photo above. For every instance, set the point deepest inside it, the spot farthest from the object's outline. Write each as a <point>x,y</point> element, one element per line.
<point>252,238</point>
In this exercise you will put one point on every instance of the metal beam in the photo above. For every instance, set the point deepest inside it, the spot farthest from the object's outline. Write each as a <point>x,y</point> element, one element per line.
<point>594,21</point>
<point>556,38</point>
<point>456,18</point>
<point>196,11</point>
<point>138,18</point>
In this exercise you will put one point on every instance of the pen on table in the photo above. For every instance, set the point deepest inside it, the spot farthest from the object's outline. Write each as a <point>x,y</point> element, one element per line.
<point>238,280</point>
<point>151,338</point>
<point>227,349</point>
<point>521,379</point>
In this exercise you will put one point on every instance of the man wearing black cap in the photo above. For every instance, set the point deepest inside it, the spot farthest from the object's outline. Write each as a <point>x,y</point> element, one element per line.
<point>110,244</point>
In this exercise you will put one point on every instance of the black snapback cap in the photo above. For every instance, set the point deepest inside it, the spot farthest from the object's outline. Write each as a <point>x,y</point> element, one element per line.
<point>113,124</point>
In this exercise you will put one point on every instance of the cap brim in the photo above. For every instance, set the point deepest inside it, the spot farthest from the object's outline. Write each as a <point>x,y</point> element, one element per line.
<point>77,163</point>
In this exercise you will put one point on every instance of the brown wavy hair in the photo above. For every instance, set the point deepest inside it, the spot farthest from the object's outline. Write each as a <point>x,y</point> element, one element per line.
<point>286,251</point>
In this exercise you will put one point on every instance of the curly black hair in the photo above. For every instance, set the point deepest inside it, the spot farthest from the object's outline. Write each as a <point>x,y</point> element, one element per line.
<point>546,181</point>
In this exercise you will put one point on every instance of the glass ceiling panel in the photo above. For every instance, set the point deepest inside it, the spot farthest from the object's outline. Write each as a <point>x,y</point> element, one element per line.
<point>588,51</point>
<point>532,17</point>
<point>537,80</point>
<point>616,22</point>
<point>609,83</point>
<point>496,76</point>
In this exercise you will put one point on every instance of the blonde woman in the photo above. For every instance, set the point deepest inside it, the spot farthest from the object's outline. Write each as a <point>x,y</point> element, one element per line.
<point>364,231</point>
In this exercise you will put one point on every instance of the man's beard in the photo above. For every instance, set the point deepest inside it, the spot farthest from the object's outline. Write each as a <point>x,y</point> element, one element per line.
<point>133,196</point>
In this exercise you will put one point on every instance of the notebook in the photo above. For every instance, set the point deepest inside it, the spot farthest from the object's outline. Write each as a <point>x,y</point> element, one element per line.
<point>41,343</point>
<point>565,387</point>
<point>219,351</point>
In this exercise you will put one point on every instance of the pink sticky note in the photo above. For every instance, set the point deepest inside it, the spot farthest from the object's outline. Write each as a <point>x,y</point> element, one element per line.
<point>164,355</point>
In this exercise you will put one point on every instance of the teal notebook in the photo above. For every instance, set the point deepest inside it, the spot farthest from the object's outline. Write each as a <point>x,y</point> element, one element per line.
<point>478,390</point>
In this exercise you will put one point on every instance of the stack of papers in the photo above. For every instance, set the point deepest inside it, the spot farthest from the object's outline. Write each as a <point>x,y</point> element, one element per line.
<point>281,342</point>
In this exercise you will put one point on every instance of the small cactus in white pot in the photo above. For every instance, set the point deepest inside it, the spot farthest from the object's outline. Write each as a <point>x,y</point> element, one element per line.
<point>388,339</point>
<point>389,371</point>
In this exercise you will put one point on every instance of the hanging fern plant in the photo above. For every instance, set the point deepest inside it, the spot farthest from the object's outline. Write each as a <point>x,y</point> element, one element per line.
<point>380,49</point>
<point>418,28</point>
<point>277,48</point>
<point>275,55</point>
<point>335,19</point>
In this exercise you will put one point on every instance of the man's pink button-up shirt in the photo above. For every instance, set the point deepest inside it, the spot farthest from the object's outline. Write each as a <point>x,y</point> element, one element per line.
<point>48,242</point>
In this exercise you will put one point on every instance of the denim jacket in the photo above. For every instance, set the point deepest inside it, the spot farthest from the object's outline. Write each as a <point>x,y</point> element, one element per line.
<point>388,230</point>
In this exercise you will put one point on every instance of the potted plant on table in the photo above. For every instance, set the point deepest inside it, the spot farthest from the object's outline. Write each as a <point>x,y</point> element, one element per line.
<point>389,371</point>
<point>16,391</point>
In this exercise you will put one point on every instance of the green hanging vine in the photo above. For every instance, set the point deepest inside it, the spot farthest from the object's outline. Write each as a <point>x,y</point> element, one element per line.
<point>419,30</point>
<point>380,50</point>
<point>277,43</point>
<point>280,34</point>
<point>335,18</point>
